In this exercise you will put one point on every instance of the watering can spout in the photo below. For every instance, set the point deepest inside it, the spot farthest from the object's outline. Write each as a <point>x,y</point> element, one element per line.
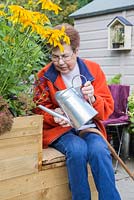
<point>53,113</point>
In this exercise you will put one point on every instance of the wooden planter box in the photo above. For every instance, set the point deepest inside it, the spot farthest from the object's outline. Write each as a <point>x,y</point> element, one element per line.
<point>23,175</point>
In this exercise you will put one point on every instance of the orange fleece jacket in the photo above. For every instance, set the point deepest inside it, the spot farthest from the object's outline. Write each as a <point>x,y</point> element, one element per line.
<point>50,81</point>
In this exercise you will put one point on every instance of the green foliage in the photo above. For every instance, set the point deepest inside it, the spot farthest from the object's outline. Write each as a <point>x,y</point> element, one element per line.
<point>131,113</point>
<point>118,35</point>
<point>114,80</point>
<point>83,3</point>
<point>19,56</point>
<point>21,53</point>
<point>68,7</point>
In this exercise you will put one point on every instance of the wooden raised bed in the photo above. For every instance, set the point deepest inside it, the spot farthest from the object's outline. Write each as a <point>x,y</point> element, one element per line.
<point>23,173</point>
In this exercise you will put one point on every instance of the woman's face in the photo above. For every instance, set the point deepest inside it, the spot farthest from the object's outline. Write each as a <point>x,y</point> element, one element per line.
<point>64,61</point>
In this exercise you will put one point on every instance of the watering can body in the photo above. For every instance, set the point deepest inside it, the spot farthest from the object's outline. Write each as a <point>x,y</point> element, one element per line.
<point>76,108</point>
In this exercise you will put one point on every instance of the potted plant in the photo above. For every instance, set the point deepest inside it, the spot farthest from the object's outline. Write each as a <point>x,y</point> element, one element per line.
<point>118,37</point>
<point>24,35</point>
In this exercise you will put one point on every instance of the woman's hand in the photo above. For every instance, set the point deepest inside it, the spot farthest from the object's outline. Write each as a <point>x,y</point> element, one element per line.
<point>60,121</point>
<point>88,92</point>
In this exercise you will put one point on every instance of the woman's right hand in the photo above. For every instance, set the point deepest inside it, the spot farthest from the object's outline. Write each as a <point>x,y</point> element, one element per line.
<point>60,121</point>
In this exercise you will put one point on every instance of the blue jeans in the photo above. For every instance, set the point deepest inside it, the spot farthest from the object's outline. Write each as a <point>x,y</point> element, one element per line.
<point>92,149</point>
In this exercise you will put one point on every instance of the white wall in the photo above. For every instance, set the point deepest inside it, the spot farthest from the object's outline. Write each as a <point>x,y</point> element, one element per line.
<point>94,46</point>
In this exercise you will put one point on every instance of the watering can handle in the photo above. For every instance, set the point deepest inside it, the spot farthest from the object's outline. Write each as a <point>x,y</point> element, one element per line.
<point>80,75</point>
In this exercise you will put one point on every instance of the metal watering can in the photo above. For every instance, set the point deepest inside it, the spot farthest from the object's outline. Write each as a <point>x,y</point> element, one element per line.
<point>78,111</point>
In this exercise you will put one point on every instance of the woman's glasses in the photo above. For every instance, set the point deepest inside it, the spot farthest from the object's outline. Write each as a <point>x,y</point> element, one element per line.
<point>64,57</point>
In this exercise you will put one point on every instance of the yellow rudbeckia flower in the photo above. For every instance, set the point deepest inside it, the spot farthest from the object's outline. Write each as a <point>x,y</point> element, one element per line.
<point>2,13</point>
<point>49,5</point>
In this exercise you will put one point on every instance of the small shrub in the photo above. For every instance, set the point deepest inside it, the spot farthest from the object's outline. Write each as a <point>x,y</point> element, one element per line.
<point>131,112</point>
<point>115,80</point>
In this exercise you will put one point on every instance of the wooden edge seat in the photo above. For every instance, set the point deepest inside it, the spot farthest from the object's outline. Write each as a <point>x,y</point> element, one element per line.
<point>52,158</point>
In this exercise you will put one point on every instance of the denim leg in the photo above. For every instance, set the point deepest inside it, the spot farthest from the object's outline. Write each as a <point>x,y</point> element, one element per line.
<point>101,165</point>
<point>75,150</point>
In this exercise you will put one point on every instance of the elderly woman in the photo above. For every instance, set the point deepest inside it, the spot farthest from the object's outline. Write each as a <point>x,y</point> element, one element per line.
<point>57,133</point>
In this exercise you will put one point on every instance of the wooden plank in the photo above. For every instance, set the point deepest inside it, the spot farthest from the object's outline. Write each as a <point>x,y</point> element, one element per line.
<point>59,192</point>
<point>92,26</point>
<point>22,126</point>
<point>92,35</point>
<point>10,168</point>
<point>40,152</point>
<point>17,147</point>
<point>21,148</point>
<point>96,53</point>
<point>33,182</point>
<point>45,185</point>
<point>51,155</point>
<point>94,193</point>
<point>101,44</point>
<point>53,165</point>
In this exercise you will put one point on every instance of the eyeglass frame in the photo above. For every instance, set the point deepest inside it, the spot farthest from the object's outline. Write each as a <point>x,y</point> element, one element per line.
<point>64,57</point>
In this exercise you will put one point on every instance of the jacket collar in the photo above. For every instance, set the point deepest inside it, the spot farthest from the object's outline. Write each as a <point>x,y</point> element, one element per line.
<point>84,71</point>
<point>52,73</point>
